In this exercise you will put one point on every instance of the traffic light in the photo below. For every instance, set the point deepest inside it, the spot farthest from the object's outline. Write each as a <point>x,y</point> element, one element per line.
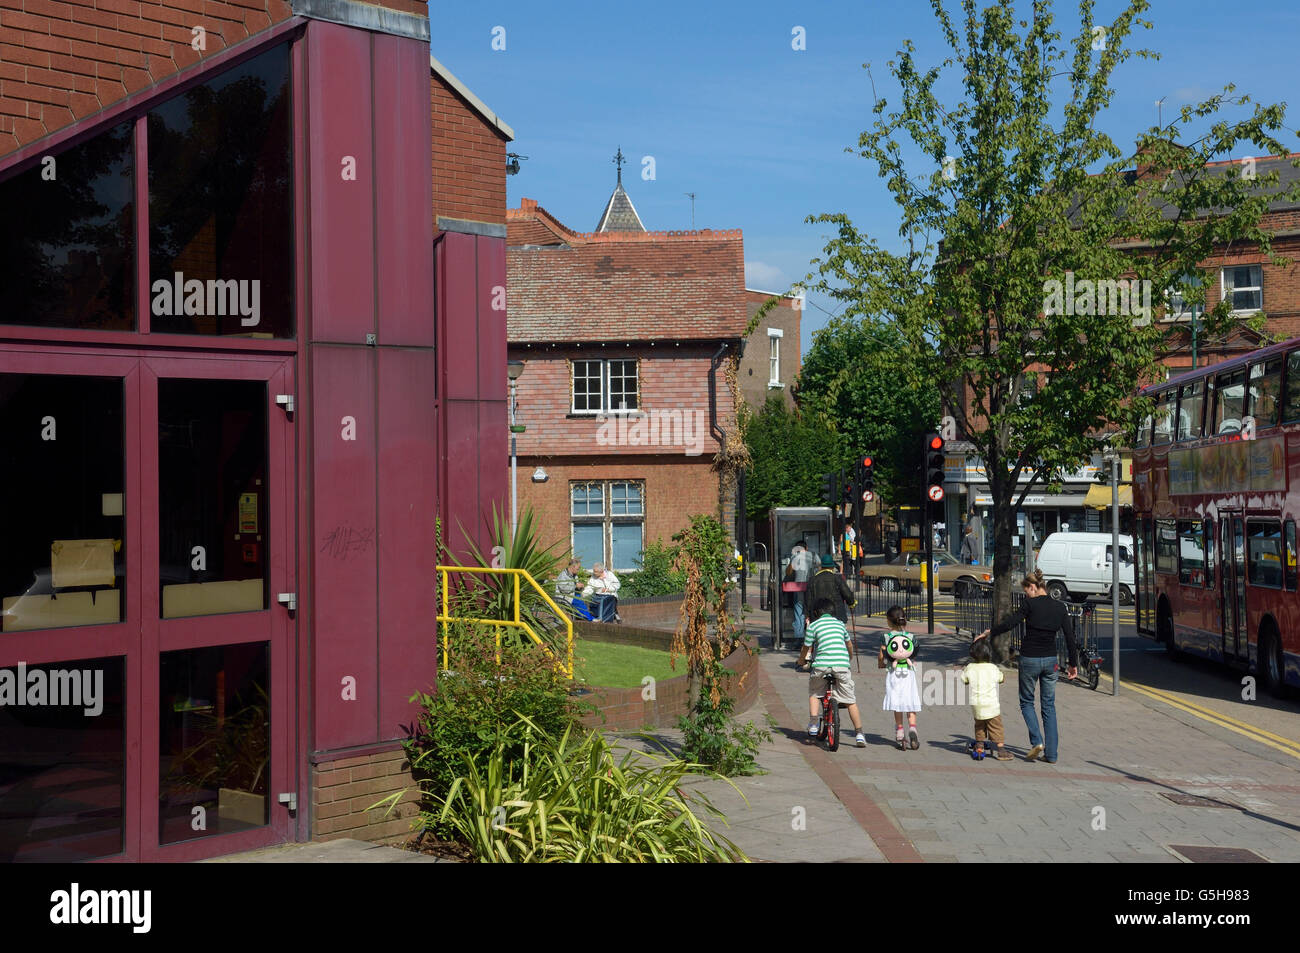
<point>865,479</point>
<point>830,489</point>
<point>933,467</point>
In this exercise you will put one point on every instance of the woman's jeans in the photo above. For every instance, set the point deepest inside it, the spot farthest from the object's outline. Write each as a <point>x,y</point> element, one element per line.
<point>1040,671</point>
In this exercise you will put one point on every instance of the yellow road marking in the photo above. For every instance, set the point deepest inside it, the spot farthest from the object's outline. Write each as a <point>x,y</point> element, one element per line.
<point>1252,732</point>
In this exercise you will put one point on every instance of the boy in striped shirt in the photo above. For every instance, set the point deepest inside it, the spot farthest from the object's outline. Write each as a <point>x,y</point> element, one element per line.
<point>828,641</point>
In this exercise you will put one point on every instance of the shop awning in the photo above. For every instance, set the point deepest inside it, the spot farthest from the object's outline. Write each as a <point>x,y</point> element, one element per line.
<point>1099,497</point>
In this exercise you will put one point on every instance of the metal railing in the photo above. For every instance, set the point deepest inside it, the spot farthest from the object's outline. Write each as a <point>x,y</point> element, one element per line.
<point>445,617</point>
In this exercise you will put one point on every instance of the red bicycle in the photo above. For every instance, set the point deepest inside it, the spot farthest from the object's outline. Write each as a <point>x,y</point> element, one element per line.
<point>828,723</point>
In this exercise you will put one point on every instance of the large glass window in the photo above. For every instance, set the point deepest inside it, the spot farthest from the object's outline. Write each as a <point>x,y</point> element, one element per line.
<point>220,200</point>
<point>1229,401</point>
<point>1264,553</point>
<point>608,523</point>
<point>1166,546</point>
<point>67,237</point>
<point>1265,390</point>
<point>1288,532</point>
<point>62,760</point>
<point>1191,398</point>
<point>214,742</point>
<point>63,561</point>
<point>212,496</point>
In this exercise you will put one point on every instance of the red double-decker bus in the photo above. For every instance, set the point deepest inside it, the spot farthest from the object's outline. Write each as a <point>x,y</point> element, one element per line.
<point>1216,508</point>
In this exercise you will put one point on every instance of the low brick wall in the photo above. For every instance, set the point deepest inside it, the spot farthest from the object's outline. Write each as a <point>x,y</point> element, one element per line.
<point>342,789</point>
<point>626,709</point>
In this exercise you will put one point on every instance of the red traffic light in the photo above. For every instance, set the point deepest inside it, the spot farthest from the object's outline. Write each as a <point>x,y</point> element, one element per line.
<point>866,461</point>
<point>936,442</point>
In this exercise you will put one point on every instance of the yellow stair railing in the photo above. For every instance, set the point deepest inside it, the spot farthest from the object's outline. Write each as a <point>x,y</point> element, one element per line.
<point>445,616</point>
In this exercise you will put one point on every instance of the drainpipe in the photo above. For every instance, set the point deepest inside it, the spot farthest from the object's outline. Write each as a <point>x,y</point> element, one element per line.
<point>715,361</point>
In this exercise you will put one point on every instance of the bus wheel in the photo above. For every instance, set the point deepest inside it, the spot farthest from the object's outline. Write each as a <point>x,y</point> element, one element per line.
<point>1270,663</point>
<point>1165,633</point>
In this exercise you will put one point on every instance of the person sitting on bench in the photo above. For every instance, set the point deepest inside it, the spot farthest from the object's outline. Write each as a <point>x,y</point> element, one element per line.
<point>603,585</point>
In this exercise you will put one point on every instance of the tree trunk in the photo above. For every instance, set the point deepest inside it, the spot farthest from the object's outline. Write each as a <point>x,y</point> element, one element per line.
<point>1004,522</point>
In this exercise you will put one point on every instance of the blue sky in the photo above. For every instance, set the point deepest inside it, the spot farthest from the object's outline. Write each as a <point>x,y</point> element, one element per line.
<point>716,95</point>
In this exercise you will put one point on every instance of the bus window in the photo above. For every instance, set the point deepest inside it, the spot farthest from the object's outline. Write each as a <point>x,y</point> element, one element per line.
<point>1208,536</point>
<point>1191,398</point>
<point>1264,553</point>
<point>1230,395</point>
<point>1289,571</point>
<point>1166,546</point>
<point>1164,419</point>
<point>1144,431</point>
<point>1191,553</point>
<point>1291,405</point>
<point>1265,389</point>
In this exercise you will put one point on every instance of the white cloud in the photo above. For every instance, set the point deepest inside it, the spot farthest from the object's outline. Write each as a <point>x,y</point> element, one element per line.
<point>764,277</point>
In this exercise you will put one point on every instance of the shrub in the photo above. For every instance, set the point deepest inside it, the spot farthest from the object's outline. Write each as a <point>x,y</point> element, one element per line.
<point>656,577</point>
<point>478,702</point>
<point>566,800</point>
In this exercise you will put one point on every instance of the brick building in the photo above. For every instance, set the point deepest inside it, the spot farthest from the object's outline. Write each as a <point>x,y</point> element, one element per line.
<point>624,335</point>
<point>773,353</point>
<point>249,259</point>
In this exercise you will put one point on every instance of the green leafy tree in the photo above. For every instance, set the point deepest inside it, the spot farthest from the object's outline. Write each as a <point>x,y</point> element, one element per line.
<point>850,375</point>
<point>790,451</point>
<point>1018,197</point>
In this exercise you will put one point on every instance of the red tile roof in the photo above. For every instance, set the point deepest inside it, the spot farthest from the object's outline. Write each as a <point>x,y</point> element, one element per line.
<point>564,285</point>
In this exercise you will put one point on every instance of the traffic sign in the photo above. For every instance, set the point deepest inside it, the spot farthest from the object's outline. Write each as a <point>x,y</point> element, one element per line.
<point>867,496</point>
<point>936,493</point>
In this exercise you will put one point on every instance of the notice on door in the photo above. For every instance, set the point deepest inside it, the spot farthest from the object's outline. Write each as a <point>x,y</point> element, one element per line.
<point>248,513</point>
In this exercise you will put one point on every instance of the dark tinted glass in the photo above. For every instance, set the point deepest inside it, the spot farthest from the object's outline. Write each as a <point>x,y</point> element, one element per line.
<point>1264,553</point>
<point>67,237</point>
<point>212,496</point>
<point>62,760</point>
<point>214,747</point>
<point>62,552</point>
<point>220,230</point>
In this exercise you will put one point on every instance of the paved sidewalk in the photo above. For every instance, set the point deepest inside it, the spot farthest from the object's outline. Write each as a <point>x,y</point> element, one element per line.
<point>1101,802</point>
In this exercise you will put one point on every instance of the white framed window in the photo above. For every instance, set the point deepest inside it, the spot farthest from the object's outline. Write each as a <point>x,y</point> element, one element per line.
<point>608,523</point>
<point>604,386</point>
<point>1243,287</point>
<point>774,336</point>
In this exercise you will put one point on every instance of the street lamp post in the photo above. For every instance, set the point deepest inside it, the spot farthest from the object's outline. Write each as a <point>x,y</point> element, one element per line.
<point>513,370</point>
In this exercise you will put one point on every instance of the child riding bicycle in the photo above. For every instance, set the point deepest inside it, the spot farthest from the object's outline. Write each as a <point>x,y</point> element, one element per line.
<point>827,641</point>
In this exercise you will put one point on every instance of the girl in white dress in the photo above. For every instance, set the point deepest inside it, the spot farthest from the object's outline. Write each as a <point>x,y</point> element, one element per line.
<point>902,693</point>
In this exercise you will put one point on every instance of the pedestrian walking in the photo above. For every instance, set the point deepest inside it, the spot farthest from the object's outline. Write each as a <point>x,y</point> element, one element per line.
<point>799,569</point>
<point>968,554</point>
<point>984,677</point>
<point>1042,616</point>
<point>826,583</point>
<point>902,694</point>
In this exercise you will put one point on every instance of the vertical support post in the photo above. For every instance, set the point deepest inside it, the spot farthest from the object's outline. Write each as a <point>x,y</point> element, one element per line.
<point>1114,563</point>
<point>514,498</point>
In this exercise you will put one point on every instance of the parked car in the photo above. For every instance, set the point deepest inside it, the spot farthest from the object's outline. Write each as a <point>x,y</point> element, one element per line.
<point>905,571</point>
<point>1077,565</point>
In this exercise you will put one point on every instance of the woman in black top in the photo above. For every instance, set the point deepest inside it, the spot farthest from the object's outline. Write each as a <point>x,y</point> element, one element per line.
<point>1042,616</point>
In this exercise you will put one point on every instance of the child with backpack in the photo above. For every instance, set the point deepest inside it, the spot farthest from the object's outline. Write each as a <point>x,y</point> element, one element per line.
<point>902,693</point>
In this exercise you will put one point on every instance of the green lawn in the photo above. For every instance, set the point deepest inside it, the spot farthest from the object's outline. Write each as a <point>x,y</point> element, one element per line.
<point>621,666</point>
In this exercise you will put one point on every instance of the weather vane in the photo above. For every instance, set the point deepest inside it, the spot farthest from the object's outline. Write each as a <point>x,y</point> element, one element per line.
<point>618,161</point>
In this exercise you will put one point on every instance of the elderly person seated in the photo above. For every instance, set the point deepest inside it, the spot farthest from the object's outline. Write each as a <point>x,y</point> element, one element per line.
<point>566,587</point>
<point>603,588</point>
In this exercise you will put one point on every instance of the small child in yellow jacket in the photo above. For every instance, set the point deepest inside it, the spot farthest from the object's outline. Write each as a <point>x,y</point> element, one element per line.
<point>983,677</point>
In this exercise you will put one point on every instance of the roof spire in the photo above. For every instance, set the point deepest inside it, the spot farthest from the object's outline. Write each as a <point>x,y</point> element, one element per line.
<point>618,161</point>
<point>619,214</point>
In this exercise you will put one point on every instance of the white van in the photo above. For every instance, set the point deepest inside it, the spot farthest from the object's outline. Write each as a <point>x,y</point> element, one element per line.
<point>1076,565</point>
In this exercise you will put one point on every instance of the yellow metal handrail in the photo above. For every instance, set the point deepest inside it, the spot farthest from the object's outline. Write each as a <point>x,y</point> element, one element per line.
<point>445,616</point>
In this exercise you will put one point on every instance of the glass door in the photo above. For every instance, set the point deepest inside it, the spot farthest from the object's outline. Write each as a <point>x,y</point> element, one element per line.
<point>1232,585</point>
<point>217,541</point>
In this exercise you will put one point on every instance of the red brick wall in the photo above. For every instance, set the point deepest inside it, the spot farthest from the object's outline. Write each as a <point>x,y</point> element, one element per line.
<point>670,379</point>
<point>469,160</point>
<point>754,368</point>
<point>64,61</point>
<point>342,790</point>
<point>673,491</point>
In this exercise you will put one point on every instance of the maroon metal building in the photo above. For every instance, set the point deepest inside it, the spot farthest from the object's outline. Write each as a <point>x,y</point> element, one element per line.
<point>252,343</point>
